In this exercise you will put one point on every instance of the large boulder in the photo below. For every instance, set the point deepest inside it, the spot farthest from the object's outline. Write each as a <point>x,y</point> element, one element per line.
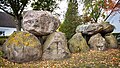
<point>89,29</point>
<point>40,22</point>
<point>111,40</point>
<point>55,47</point>
<point>107,28</point>
<point>22,47</point>
<point>94,28</point>
<point>78,44</point>
<point>97,42</point>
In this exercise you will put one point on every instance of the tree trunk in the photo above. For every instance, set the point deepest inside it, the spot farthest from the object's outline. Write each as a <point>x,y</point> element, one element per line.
<point>18,23</point>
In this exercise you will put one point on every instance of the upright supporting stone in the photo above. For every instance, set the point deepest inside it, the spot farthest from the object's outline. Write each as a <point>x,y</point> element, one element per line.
<point>97,42</point>
<point>55,47</point>
<point>78,44</point>
<point>22,47</point>
<point>111,40</point>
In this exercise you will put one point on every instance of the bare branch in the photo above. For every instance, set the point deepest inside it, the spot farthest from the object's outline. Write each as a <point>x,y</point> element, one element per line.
<point>112,11</point>
<point>7,12</point>
<point>22,7</point>
<point>99,13</point>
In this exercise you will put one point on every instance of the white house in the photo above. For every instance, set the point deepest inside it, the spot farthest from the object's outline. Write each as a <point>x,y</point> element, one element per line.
<point>7,24</point>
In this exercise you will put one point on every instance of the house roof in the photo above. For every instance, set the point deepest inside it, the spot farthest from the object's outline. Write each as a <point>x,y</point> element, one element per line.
<point>6,20</point>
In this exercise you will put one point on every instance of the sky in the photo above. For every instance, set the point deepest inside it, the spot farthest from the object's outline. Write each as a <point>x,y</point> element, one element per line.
<point>115,20</point>
<point>62,10</point>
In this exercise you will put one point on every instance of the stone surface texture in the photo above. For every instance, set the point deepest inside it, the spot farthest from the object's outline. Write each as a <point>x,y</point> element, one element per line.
<point>78,44</point>
<point>97,42</point>
<point>40,22</point>
<point>111,40</point>
<point>22,47</point>
<point>89,29</point>
<point>107,28</point>
<point>55,47</point>
<point>94,28</point>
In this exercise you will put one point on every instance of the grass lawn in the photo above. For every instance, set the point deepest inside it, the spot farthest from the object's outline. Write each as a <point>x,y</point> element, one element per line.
<point>91,59</point>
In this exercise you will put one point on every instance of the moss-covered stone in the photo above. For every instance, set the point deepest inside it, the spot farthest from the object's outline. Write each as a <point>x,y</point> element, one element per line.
<point>78,44</point>
<point>24,38</point>
<point>111,40</point>
<point>22,47</point>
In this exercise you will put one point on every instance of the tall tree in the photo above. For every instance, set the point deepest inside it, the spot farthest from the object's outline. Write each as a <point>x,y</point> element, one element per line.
<point>15,9</point>
<point>71,19</point>
<point>48,5</point>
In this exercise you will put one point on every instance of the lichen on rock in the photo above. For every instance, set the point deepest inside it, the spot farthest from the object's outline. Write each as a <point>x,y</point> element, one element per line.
<point>111,40</point>
<point>78,44</point>
<point>22,47</point>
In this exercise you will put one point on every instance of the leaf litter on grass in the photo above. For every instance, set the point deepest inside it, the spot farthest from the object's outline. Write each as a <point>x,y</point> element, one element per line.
<point>96,59</point>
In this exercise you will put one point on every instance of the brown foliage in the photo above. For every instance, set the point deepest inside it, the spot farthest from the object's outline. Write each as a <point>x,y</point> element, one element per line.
<point>110,4</point>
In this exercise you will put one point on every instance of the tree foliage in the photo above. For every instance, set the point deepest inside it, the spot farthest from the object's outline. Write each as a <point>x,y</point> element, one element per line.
<point>71,19</point>
<point>94,9</point>
<point>15,9</point>
<point>48,5</point>
<point>113,6</point>
<point>109,4</point>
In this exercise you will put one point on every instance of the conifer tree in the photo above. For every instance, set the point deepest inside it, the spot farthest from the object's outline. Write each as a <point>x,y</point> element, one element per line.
<point>71,19</point>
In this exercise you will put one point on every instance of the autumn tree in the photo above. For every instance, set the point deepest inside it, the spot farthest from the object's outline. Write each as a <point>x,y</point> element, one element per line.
<point>93,9</point>
<point>15,9</point>
<point>71,19</point>
<point>111,5</point>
